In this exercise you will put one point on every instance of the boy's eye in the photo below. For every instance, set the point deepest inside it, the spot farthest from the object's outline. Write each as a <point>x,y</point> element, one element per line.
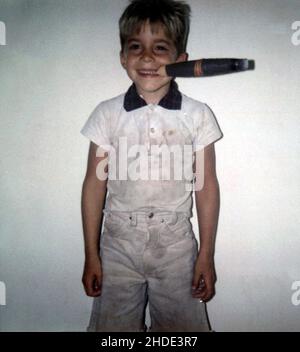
<point>137,48</point>
<point>134,47</point>
<point>161,48</point>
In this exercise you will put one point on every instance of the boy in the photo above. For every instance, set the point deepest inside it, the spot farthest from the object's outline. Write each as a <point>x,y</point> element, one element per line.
<point>148,250</point>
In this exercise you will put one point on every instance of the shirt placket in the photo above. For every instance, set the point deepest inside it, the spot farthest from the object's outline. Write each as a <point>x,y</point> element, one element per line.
<point>150,127</point>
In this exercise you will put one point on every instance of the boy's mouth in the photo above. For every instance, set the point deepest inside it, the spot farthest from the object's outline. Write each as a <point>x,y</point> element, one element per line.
<point>151,73</point>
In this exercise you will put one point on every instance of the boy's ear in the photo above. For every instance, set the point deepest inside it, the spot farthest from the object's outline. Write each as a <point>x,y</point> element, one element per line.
<point>123,59</point>
<point>182,57</point>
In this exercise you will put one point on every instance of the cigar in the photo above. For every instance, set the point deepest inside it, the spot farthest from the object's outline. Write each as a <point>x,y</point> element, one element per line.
<point>206,67</point>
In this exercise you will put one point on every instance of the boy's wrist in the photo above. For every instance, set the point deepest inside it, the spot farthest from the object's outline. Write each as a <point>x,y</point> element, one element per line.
<point>91,255</point>
<point>207,254</point>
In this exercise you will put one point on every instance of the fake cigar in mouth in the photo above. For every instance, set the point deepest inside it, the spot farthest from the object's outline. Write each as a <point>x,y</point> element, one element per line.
<point>206,67</point>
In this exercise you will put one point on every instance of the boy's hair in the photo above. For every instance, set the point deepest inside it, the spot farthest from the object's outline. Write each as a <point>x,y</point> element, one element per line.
<point>173,15</point>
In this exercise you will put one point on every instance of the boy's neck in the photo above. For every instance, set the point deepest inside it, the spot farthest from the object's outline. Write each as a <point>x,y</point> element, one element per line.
<point>154,97</point>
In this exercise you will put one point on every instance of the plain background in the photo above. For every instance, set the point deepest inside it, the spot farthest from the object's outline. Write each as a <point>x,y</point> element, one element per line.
<point>60,60</point>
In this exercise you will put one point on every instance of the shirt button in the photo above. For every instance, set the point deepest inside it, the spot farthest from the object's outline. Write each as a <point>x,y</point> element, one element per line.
<point>151,215</point>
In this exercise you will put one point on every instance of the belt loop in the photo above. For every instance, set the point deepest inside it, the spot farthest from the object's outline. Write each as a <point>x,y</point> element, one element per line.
<point>175,217</point>
<point>133,219</point>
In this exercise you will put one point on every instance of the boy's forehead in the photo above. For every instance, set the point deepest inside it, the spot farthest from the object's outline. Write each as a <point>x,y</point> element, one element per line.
<point>157,29</point>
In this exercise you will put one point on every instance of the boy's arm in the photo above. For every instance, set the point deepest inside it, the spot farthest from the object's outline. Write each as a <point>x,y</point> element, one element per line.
<point>92,202</point>
<point>207,204</point>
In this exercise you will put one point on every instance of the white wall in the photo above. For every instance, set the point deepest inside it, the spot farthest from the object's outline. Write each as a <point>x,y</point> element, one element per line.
<point>59,61</point>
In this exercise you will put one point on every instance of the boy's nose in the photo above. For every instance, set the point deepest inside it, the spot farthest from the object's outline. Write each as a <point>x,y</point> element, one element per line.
<point>147,56</point>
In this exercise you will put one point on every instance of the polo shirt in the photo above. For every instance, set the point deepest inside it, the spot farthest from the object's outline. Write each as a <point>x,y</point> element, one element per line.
<point>151,148</point>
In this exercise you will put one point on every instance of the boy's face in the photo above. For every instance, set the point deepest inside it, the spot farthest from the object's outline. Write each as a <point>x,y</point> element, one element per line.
<point>143,54</point>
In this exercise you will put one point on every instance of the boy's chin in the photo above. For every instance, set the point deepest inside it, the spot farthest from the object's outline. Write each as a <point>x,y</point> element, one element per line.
<point>152,87</point>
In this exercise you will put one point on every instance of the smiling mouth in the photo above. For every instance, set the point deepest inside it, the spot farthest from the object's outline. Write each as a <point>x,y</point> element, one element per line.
<point>152,73</point>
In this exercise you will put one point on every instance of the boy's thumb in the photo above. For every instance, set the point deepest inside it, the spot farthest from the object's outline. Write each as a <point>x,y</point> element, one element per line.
<point>194,283</point>
<point>97,283</point>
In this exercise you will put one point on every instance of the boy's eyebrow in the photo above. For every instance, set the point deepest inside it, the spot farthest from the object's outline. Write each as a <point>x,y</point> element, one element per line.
<point>133,39</point>
<point>163,41</point>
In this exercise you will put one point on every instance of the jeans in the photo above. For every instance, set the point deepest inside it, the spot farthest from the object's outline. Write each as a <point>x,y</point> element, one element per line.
<point>147,257</point>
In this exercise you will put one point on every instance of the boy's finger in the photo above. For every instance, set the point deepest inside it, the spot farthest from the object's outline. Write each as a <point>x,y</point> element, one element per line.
<point>205,289</point>
<point>89,290</point>
<point>199,294</point>
<point>208,293</point>
<point>92,287</point>
<point>85,285</point>
<point>197,279</point>
<point>97,285</point>
<point>199,283</point>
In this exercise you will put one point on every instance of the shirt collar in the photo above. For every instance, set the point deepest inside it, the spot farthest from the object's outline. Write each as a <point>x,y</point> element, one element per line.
<point>171,101</point>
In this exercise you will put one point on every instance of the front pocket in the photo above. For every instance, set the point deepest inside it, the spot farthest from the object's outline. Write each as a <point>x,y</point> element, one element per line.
<point>173,233</point>
<point>114,225</point>
<point>181,226</point>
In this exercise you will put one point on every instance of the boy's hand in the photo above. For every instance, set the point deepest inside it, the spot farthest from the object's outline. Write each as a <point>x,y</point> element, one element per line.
<point>92,276</point>
<point>203,285</point>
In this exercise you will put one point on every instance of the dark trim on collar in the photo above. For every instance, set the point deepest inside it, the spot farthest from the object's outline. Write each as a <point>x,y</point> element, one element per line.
<point>171,101</point>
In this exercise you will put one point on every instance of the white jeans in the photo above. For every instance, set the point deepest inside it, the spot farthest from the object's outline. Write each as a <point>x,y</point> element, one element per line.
<point>147,257</point>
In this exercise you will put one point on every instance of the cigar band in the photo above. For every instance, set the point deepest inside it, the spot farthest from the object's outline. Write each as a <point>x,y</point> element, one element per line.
<point>198,68</point>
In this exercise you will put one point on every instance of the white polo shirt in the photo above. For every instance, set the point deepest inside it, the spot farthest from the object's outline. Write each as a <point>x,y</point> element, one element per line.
<point>150,148</point>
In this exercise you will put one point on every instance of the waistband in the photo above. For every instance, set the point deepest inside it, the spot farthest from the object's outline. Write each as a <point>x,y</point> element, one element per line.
<point>147,216</point>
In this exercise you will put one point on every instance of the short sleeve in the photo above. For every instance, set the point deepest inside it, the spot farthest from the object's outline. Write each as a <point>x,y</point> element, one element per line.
<point>97,128</point>
<point>207,129</point>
